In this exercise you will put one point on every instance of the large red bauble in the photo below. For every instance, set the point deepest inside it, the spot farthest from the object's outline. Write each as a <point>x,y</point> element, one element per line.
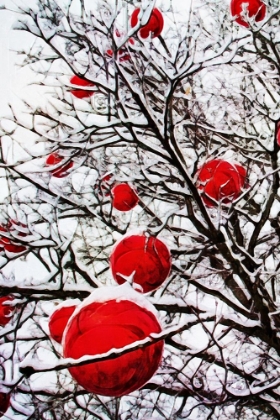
<point>147,259</point>
<point>55,159</point>
<point>58,321</point>
<point>124,197</point>
<point>6,311</point>
<point>100,326</point>
<point>4,402</point>
<point>154,24</point>
<point>255,8</point>
<point>220,181</point>
<point>81,93</point>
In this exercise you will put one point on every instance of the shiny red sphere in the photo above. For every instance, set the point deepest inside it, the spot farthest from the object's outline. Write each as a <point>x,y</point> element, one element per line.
<point>58,321</point>
<point>55,159</point>
<point>148,258</point>
<point>220,181</point>
<point>6,311</point>
<point>124,197</point>
<point>102,326</point>
<point>81,93</point>
<point>4,402</point>
<point>153,26</point>
<point>255,8</point>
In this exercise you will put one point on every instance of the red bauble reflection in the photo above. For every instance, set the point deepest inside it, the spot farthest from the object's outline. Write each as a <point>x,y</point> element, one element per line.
<point>153,26</point>
<point>148,258</point>
<point>81,93</point>
<point>58,321</point>
<point>102,326</point>
<point>255,8</point>
<point>221,181</point>
<point>55,159</point>
<point>4,402</point>
<point>124,197</point>
<point>6,311</point>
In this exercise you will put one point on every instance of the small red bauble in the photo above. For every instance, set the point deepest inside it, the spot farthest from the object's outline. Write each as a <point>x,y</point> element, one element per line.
<point>221,181</point>
<point>9,244</point>
<point>153,26</point>
<point>6,311</point>
<point>55,159</point>
<point>58,321</point>
<point>81,93</point>
<point>4,402</point>
<point>255,8</point>
<point>104,324</point>
<point>146,259</point>
<point>124,197</point>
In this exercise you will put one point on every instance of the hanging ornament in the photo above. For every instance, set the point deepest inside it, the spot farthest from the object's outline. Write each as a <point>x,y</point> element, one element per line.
<point>143,261</point>
<point>60,317</point>
<point>124,197</point>
<point>81,93</point>
<point>111,318</point>
<point>10,244</point>
<point>220,181</point>
<point>153,27</point>
<point>55,159</point>
<point>6,310</point>
<point>240,9</point>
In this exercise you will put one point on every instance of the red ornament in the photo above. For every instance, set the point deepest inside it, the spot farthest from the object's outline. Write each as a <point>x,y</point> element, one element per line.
<point>58,321</point>
<point>6,311</point>
<point>278,133</point>
<point>220,181</point>
<point>153,26</point>
<point>146,259</point>
<point>112,323</point>
<point>81,93</point>
<point>254,8</point>
<point>124,197</point>
<point>55,159</point>
<point>4,402</point>
<point>9,244</point>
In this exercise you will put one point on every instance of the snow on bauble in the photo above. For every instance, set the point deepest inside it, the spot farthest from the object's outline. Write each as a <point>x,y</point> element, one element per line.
<point>124,197</point>
<point>154,25</point>
<point>6,310</point>
<point>111,318</point>
<point>220,180</point>
<point>62,171</point>
<point>252,8</point>
<point>143,261</point>
<point>4,403</point>
<point>59,319</point>
<point>81,93</point>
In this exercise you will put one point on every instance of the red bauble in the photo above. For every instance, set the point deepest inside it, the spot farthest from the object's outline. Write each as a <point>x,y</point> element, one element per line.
<point>4,402</point>
<point>9,244</point>
<point>154,24</point>
<point>6,311</point>
<point>58,321</point>
<point>55,159</point>
<point>81,93</point>
<point>255,8</point>
<point>103,325</point>
<point>221,181</point>
<point>148,258</point>
<point>124,197</point>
